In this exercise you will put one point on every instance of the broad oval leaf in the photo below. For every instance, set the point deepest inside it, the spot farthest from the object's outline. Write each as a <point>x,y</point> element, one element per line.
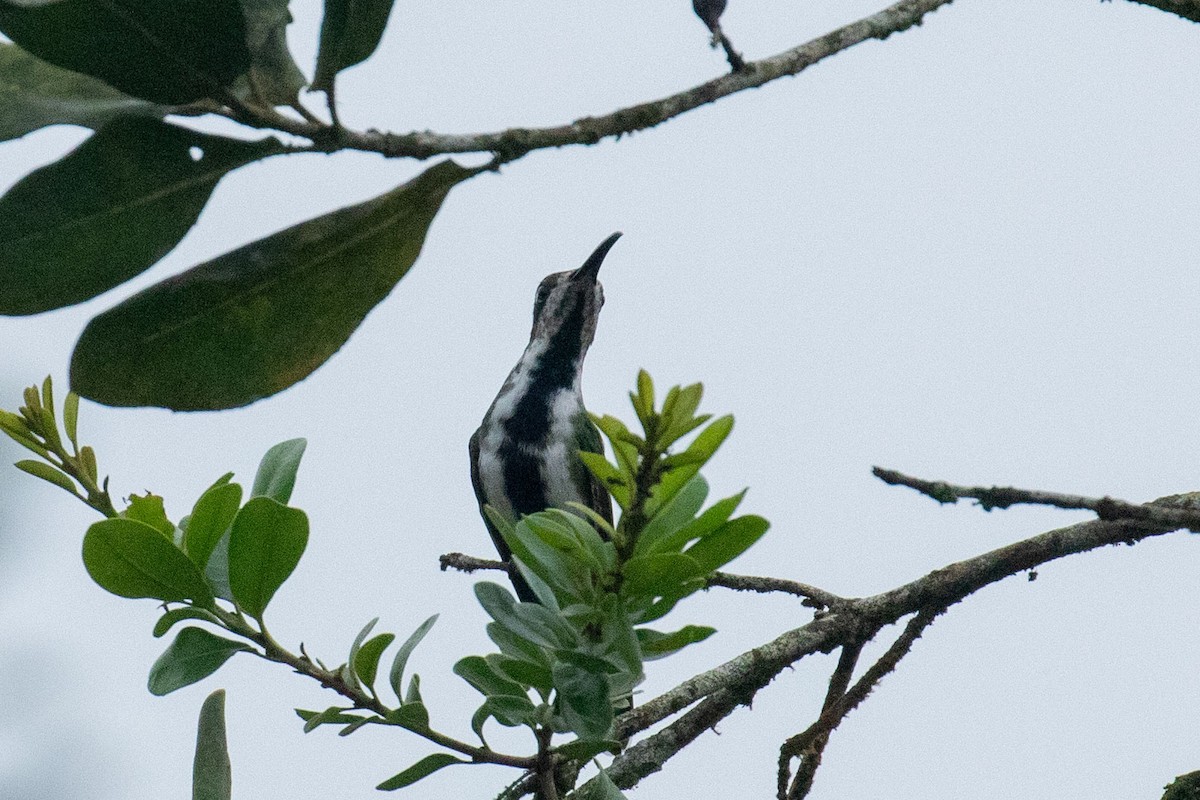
<point>194,655</point>
<point>131,559</point>
<point>166,51</point>
<point>212,778</point>
<point>265,545</point>
<point>276,476</point>
<point>211,517</point>
<point>108,210</point>
<point>350,32</point>
<point>422,769</point>
<point>660,575</point>
<point>255,321</point>
<point>35,94</point>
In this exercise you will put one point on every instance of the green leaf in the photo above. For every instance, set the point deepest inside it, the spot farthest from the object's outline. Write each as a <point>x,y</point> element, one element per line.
<point>661,575</point>
<point>587,749</point>
<point>276,476</point>
<point>358,723</point>
<point>194,655</point>
<point>366,662</point>
<point>210,519</point>
<point>422,769</point>
<point>131,559</point>
<point>396,674</point>
<point>655,644</point>
<point>254,321</point>
<point>350,32</point>
<point>584,701</point>
<point>273,79</point>
<point>728,542</point>
<point>713,517</point>
<point>603,788</point>
<point>149,509</point>
<point>348,673</point>
<point>511,711</point>
<point>35,94</point>
<point>413,716</point>
<point>673,515</point>
<point>515,646</point>
<point>71,417</point>
<point>617,483</point>
<point>488,681</point>
<point>168,619</point>
<point>334,715</point>
<point>535,623</point>
<point>212,777</point>
<point>265,545</point>
<point>47,473</point>
<point>166,51</point>
<point>108,210</point>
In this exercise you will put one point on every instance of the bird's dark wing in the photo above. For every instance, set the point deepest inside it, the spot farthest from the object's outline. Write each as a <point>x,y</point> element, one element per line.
<point>523,591</point>
<point>590,442</point>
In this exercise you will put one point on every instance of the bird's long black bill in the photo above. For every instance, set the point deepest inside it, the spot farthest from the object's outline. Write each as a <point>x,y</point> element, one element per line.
<point>591,267</point>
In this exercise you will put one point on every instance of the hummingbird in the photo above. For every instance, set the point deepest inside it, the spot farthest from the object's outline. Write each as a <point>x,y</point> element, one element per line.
<point>525,455</point>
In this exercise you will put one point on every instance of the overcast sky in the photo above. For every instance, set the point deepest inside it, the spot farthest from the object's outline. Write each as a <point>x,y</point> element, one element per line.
<point>966,252</point>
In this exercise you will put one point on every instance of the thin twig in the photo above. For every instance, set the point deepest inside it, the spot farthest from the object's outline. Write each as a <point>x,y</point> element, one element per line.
<point>814,597</point>
<point>810,751</point>
<point>515,142</point>
<point>1177,511</point>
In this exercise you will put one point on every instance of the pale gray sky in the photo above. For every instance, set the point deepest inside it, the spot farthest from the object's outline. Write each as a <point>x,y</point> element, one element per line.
<point>966,252</point>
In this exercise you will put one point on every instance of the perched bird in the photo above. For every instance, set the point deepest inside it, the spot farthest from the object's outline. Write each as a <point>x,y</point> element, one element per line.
<point>524,457</point>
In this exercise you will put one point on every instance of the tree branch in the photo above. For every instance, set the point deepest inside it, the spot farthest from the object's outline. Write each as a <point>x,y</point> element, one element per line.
<point>516,142</point>
<point>813,597</point>
<point>1188,9</point>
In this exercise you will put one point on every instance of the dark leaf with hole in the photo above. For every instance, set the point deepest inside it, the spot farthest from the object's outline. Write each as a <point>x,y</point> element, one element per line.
<point>108,210</point>
<point>194,655</point>
<point>165,51</point>
<point>35,94</point>
<point>255,321</point>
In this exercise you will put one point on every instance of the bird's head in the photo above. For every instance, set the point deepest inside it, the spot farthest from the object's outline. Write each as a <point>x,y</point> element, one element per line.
<point>568,304</point>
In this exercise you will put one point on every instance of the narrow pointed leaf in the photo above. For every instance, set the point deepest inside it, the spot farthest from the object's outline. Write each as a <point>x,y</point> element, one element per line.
<point>39,469</point>
<point>166,51</point>
<point>422,769</point>
<point>350,32</point>
<point>655,644</point>
<point>348,673</point>
<point>212,776</point>
<point>265,545</point>
<point>713,518</point>
<point>673,515</point>
<point>71,417</point>
<point>108,210</point>
<point>35,94</point>
<point>276,476</point>
<point>396,675</point>
<point>210,519</point>
<point>254,321</point>
<point>728,542</point>
<point>131,559</point>
<point>194,655</point>
<point>587,749</point>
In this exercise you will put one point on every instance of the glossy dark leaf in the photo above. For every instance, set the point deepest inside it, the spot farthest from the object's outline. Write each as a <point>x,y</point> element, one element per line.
<point>254,321</point>
<point>422,769</point>
<point>35,94</point>
<point>350,32</point>
<point>212,777</point>
<point>165,51</point>
<point>265,545</point>
<point>210,519</point>
<point>131,559</point>
<point>108,210</point>
<point>194,655</point>
<point>276,476</point>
